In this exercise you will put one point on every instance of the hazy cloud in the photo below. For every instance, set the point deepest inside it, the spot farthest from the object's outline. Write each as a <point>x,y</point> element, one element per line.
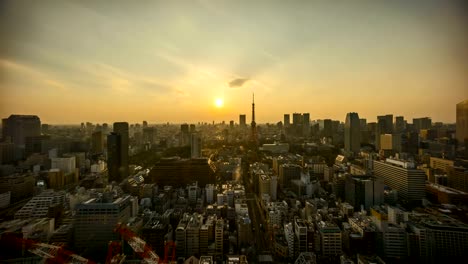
<point>238,82</point>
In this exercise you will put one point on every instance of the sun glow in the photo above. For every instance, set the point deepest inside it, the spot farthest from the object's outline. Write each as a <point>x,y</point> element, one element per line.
<point>219,102</point>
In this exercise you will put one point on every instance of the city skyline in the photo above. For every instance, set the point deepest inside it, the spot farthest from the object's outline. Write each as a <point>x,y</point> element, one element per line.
<point>199,61</point>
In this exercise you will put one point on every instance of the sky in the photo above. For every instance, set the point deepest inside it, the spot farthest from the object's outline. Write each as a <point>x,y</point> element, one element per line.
<point>174,61</point>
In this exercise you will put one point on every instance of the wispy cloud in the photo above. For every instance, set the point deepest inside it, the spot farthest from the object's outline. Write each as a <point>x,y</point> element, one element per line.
<point>24,71</point>
<point>238,82</point>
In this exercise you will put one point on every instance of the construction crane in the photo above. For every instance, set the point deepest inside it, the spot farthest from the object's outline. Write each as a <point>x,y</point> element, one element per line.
<point>114,253</point>
<point>138,245</point>
<point>50,253</point>
<point>167,245</point>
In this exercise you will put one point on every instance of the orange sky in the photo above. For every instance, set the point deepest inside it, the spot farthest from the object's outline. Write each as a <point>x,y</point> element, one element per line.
<point>167,61</point>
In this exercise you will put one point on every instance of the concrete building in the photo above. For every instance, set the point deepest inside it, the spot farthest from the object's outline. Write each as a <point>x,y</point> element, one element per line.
<point>121,129</point>
<point>440,164</point>
<point>400,125</point>
<point>219,237</point>
<point>306,124</point>
<point>330,239</point>
<point>403,177</point>
<point>386,142</point>
<point>97,142</point>
<point>203,240</point>
<point>209,192</point>
<point>287,120</point>
<point>7,152</point>
<point>273,187</point>
<point>38,206</point>
<point>352,133</point>
<point>264,184</point>
<point>242,121</point>
<point>5,199</point>
<point>435,238</point>
<point>289,236</point>
<point>192,235</point>
<point>67,165</point>
<point>395,244</point>
<point>95,221</point>
<point>153,233</point>
<point>364,191</point>
<point>181,236</point>
<point>422,123</point>
<point>21,186</point>
<point>36,144</point>
<point>300,231</point>
<point>244,231</point>
<point>18,127</point>
<point>114,163</point>
<point>195,145</point>
<point>288,172</point>
<point>149,135</point>
<point>462,122</point>
<point>457,178</point>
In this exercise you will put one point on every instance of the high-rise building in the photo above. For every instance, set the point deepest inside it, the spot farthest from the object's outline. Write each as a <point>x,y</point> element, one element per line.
<point>219,237</point>
<point>327,128</point>
<point>95,221</point>
<point>399,124</point>
<point>385,124</point>
<point>289,236</point>
<point>149,135</point>
<point>244,229</point>
<point>297,119</point>
<point>422,123</point>
<point>437,238</point>
<point>21,186</point>
<point>97,142</point>
<point>38,206</point>
<point>67,165</point>
<point>153,233</point>
<point>300,231</point>
<point>458,178</point>
<point>273,187</point>
<point>287,120</point>
<point>403,177</point>
<point>462,122</point>
<point>195,145</point>
<point>352,133</point>
<point>288,172</point>
<point>242,120</point>
<point>306,124</point>
<point>330,239</point>
<point>209,192</point>
<point>180,235</point>
<point>35,144</point>
<point>7,152</point>
<point>18,127</point>
<point>203,240</point>
<point>121,129</point>
<point>114,163</point>
<point>192,235</point>
<point>364,191</point>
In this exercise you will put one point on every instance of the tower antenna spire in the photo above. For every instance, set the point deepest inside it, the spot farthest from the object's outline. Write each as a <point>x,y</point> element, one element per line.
<point>253,125</point>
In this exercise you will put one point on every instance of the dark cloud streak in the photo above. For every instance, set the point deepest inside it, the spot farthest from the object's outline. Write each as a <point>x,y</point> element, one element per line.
<point>238,82</point>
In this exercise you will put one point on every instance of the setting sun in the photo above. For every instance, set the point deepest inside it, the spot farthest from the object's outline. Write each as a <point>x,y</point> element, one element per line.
<point>219,102</point>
